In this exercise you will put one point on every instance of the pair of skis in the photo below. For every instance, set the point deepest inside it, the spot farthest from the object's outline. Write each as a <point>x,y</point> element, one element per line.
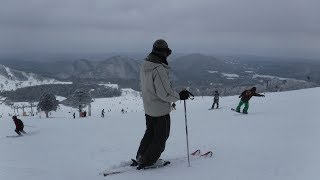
<point>21,135</point>
<point>127,166</point>
<point>198,153</point>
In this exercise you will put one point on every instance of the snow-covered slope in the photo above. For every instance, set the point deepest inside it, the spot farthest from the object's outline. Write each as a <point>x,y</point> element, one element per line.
<point>278,140</point>
<point>11,79</point>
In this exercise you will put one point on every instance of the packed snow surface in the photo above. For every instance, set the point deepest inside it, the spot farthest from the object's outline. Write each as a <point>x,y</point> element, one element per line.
<point>209,71</point>
<point>230,75</point>
<point>277,140</point>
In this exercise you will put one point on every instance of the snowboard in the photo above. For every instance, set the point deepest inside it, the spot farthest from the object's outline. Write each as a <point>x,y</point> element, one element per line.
<point>214,108</point>
<point>237,111</point>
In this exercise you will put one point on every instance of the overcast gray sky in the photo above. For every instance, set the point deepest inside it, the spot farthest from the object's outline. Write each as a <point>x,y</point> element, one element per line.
<point>264,27</point>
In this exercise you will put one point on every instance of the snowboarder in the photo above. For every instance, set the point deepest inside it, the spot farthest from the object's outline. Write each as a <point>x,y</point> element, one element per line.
<point>245,97</point>
<point>19,125</point>
<point>102,113</point>
<point>215,99</point>
<point>157,95</point>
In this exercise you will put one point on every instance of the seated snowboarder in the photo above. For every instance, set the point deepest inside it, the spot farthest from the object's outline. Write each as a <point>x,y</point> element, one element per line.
<point>215,99</point>
<point>245,97</point>
<point>19,125</point>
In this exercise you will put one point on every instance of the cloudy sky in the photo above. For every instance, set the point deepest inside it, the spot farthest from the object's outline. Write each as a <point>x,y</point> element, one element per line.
<point>264,27</point>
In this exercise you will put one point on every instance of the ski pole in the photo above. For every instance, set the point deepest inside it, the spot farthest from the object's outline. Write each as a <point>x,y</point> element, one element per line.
<point>185,118</point>
<point>28,126</point>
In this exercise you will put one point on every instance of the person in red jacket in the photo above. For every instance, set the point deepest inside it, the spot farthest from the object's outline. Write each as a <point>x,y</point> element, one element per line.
<point>19,125</point>
<point>245,97</point>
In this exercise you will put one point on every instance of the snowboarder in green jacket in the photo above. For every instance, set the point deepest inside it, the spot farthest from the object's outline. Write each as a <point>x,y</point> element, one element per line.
<point>245,97</point>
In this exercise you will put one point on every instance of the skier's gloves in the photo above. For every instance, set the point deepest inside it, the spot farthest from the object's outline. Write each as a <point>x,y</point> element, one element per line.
<point>185,95</point>
<point>134,163</point>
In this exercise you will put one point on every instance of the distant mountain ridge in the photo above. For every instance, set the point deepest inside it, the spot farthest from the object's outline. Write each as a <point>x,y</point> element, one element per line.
<point>15,75</point>
<point>204,72</point>
<point>11,79</point>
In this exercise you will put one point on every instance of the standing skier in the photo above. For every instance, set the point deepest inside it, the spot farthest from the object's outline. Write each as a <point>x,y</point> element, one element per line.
<point>215,99</point>
<point>157,95</point>
<point>19,125</point>
<point>245,97</point>
<point>102,113</point>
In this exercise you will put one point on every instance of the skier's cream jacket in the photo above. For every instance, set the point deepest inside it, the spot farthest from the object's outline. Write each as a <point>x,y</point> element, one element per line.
<point>157,92</point>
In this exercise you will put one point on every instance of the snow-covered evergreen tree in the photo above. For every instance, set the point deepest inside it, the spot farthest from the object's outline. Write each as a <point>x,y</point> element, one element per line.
<point>48,103</point>
<point>81,98</point>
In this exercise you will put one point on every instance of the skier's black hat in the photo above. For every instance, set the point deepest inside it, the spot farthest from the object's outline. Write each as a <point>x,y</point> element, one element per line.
<point>161,46</point>
<point>253,89</point>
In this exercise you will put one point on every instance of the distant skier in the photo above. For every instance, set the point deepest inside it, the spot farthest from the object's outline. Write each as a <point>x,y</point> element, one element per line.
<point>19,125</point>
<point>85,114</point>
<point>157,95</point>
<point>216,97</point>
<point>74,115</point>
<point>173,106</point>
<point>245,97</point>
<point>102,113</point>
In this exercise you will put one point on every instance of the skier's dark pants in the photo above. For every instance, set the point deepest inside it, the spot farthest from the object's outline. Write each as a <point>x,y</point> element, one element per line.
<point>19,129</point>
<point>246,106</point>
<point>154,140</point>
<point>215,102</point>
